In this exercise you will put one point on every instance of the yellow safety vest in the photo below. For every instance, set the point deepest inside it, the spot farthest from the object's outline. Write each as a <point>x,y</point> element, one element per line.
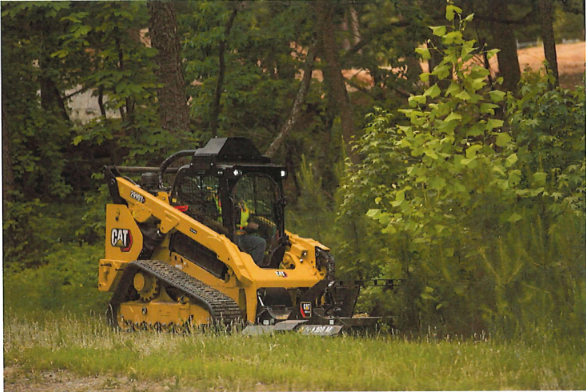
<point>244,215</point>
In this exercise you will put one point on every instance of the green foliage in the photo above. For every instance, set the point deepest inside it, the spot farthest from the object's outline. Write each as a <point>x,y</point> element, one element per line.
<point>313,215</point>
<point>67,281</point>
<point>465,200</point>
<point>548,126</point>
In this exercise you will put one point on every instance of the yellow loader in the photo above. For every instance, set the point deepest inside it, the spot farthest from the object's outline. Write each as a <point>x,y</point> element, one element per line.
<point>212,248</point>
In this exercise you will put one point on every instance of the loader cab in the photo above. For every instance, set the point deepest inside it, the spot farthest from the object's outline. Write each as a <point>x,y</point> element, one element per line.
<point>229,185</point>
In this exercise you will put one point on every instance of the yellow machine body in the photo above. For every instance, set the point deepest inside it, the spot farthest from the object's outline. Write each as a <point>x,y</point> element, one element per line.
<point>124,242</point>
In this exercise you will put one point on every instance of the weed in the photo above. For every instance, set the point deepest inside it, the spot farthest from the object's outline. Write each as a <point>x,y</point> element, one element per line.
<point>290,361</point>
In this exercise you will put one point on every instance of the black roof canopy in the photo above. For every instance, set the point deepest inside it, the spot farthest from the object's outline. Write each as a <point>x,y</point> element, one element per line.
<point>230,150</point>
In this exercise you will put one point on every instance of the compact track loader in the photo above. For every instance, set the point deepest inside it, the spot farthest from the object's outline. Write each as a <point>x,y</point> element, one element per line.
<point>212,248</point>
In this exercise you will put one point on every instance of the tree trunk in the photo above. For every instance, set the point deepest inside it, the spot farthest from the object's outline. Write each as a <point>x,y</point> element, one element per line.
<point>7,172</point>
<point>51,99</point>
<point>216,107</point>
<point>173,110</point>
<point>299,101</point>
<point>546,14</point>
<point>333,75</point>
<point>504,39</point>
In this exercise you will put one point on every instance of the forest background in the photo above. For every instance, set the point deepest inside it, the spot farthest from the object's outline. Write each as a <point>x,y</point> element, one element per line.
<point>420,154</point>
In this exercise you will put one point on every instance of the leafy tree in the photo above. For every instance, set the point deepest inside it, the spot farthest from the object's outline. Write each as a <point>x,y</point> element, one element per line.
<point>458,204</point>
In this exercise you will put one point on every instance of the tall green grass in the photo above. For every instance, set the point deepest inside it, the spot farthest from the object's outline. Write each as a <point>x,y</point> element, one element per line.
<point>86,346</point>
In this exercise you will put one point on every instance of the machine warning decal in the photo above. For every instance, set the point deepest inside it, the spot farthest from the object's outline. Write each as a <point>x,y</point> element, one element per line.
<point>137,196</point>
<point>319,329</point>
<point>193,230</point>
<point>122,238</point>
<point>305,309</point>
<point>281,274</point>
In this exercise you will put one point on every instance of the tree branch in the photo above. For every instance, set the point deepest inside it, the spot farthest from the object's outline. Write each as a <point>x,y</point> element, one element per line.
<point>522,21</point>
<point>372,36</point>
<point>216,108</point>
<point>299,101</point>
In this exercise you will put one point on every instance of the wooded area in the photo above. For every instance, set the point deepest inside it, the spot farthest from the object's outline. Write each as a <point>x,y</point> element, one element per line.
<point>466,180</point>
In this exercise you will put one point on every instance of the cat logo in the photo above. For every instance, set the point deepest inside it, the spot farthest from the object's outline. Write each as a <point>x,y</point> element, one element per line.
<point>305,309</point>
<point>122,238</point>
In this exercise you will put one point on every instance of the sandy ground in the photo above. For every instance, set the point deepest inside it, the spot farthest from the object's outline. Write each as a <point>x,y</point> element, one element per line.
<point>571,57</point>
<point>571,61</point>
<point>16,380</point>
<point>571,64</point>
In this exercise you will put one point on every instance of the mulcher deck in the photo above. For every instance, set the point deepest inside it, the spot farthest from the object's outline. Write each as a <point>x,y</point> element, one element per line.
<point>221,307</point>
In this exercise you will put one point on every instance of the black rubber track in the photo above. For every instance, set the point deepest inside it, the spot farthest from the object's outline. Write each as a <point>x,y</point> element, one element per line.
<point>221,307</point>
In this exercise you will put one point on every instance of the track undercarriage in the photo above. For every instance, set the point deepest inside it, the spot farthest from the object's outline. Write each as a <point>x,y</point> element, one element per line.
<point>155,295</point>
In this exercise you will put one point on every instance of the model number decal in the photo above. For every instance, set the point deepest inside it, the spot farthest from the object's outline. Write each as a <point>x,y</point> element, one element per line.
<point>137,196</point>
<point>121,238</point>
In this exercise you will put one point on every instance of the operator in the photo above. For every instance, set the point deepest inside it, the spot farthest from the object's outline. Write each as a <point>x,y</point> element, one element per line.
<point>245,238</point>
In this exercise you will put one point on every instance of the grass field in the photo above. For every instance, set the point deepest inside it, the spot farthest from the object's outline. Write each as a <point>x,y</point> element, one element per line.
<point>86,347</point>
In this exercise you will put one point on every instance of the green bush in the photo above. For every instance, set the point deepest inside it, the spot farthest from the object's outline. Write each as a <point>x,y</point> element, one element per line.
<point>481,204</point>
<point>68,281</point>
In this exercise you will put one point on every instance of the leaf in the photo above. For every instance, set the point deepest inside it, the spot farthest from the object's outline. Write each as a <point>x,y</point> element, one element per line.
<point>416,99</point>
<point>496,95</point>
<point>472,150</point>
<point>475,130</point>
<point>515,217</point>
<point>514,177</point>
<point>490,54</point>
<point>453,116</point>
<point>452,37</point>
<point>440,31</point>
<point>493,123</point>
<point>510,161</point>
<point>478,83</point>
<point>466,50</point>
<point>60,53</point>
<point>503,139</point>
<point>439,228</point>
<point>424,77</point>
<point>499,169</point>
<point>373,213</point>
<point>488,108</point>
<point>424,53</point>
<point>463,96</point>
<point>430,153</point>
<point>437,183</point>
<point>441,71</point>
<point>467,161</point>
<point>397,203</point>
<point>433,91</point>
<point>540,178</point>
<point>453,89</point>
<point>77,140</point>
<point>451,10</point>
<point>378,200</point>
